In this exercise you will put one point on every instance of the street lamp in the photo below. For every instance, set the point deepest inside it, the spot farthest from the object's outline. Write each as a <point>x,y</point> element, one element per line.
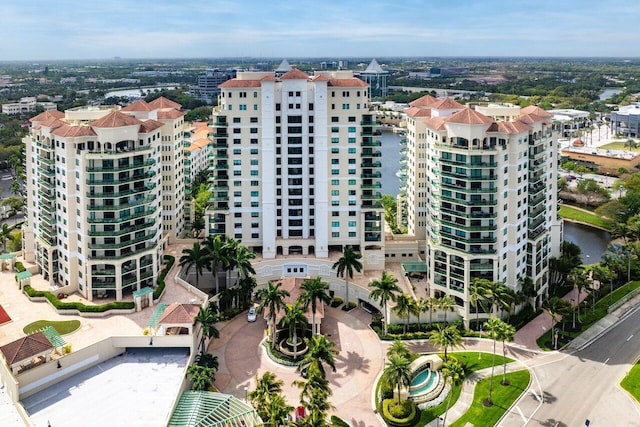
<point>573,309</point>
<point>246,390</point>
<point>555,336</point>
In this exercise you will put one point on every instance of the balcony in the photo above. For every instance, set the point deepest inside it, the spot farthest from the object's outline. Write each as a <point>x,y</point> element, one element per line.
<point>116,194</point>
<point>374,186</point>
<point>122,231</point>
<point>464,189</point>
<point>481,240</point>
<point>119,168</point>
<point>135,215</point>
<point>130,204</point>
<point>369,164</point>
<point>374,196</point>
<point>471,202</point>
<point>485,227</point>
<point>371,175</point>
<point>536,222</point>
<point>372,144</point>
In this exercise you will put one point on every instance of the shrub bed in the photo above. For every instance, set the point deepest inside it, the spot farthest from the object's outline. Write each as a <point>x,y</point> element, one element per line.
<point>399,415</point>
<point>337,301</point>
<point>20,267</point>
<point>157,293</point>
<point>59,305</point>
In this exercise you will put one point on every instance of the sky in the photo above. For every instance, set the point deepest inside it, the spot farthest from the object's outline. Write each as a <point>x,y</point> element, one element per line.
<point>102,29</point>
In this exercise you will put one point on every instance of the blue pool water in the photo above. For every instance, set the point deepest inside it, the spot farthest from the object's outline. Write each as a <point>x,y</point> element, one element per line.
<point>423,382</point>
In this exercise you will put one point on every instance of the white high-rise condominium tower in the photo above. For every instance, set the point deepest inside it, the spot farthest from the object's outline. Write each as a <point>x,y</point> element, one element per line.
<point>296,165</point>
<point>481,195</point>
<point>100,181</point>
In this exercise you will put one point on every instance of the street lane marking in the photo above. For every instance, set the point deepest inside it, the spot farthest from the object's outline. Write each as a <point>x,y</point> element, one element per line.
<point>521,414</point>
<point>630,336</point>
<point>535,395</point>
<point>605,362</point>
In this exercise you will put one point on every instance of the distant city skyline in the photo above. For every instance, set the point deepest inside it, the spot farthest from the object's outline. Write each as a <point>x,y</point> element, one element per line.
<point>70,29</point>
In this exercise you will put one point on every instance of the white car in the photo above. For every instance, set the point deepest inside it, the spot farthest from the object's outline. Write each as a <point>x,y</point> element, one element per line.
<point>252,314</point>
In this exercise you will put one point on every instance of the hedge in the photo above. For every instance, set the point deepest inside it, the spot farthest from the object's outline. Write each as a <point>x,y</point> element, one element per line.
<point>115,305</point>
<point>409,420</point>
<point>20,267</point>
<point>157,293</point>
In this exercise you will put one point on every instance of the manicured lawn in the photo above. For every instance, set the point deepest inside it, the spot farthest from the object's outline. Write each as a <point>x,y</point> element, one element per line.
<point>631,382</point>
<point>618,145</point>
<point>503,397</point>
<point>473,363</point>
<point>63,327</point>
<point>572,213</point>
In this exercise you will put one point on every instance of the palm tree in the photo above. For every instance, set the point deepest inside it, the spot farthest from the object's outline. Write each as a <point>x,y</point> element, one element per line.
<point>266,386</point>
<point>314,395</point>
<point>295,316</point>
<point>320,351</point>
<point>446,303</point>
<point>501,296</point>
<point>242,262</point>
<point>432,302</point>
<point>5,234</point>
<point>400,348</point>
<point>384,290</point>
<point>344,267</point>
<point>315,291</point>
<point>229,249</point>
<point>207,317</point>
<point>452,373</point>
<point>208,360</point>
<point>398,372</point>
<point>422,306</point>
<point>528,288</point>
<point>557,307</point>
<point>492,326</point>
<point>478,296</point>
<point>278,412</point>
<point>578,277</point>
<point>505,333</point>
<point>272,298</point>
<point>195,257</point>
<point>405,307</point>
<point>446,337</point>
<point>201,376</point>
<point>217,256</point>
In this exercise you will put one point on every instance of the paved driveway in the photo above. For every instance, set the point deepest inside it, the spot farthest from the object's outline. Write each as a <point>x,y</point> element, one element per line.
<point>360,360</point>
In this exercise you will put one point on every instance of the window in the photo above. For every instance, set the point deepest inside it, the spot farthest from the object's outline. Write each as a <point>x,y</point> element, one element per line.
<point>335,182</point>
<point>255,214</point>
<point>352,128</point>
<point>352,182</point>
<point>335,224</point>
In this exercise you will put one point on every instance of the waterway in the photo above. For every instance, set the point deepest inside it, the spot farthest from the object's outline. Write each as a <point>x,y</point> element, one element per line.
<point>592,241</point>
<point>608,93</point>
<point>137,93</point>
<point>390,162</point>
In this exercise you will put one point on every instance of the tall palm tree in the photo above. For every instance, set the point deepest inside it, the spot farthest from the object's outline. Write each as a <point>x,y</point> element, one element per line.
<point>345,266</point>
<point>505,333</point>
<point>201,376</point>
<point>500,296</point>
<point>446,337</point>
<point>384,290</point>
<point>5,234</point>
<point>432,302</point>
<point>242,262</point>
<point>528,288</point>
<point>217,256</point>
<point>229,249</point>
<point>446,303</point>
<point>278,412</point>
<point>295,316</point>
<point>266,386</point>
<point>314,396</point>
<point>397,373</point>
<point>197,257</point>
<point>478,296</point>
<point>405,307</point>
<point>422,306</point>
<point>578,278</point>
<point>556,307</point>
<point>272,299</point>
<point>320,351</point>
<point>400,348</point>
<point>207,317</point>
<point>452,373</point>
<point>314,291</point>
<point>493,326</point>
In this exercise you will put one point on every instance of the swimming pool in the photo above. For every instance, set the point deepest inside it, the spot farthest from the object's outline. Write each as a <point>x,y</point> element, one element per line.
<point>424,382</point>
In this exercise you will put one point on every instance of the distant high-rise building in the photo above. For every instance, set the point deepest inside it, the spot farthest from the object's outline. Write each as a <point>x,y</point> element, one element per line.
<point>104,192</point>
<point>207,88</point>
<point>377,78</point>
<point>482,195</point>
<point>296,168</point>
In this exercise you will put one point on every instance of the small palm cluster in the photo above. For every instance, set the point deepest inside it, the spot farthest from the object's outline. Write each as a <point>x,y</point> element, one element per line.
<point>203,371</point>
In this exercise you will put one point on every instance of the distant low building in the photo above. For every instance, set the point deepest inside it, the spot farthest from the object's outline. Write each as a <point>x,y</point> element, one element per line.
<point>598,160</point>
<point>207,88</point>
<point>448,71</point>
<point>27,105</point>
<point>626,121</point>
<point>569,121</point>
<point>377,78</point>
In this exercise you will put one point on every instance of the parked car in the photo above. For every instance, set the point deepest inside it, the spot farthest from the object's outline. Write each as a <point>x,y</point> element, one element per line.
<point>252,314</point>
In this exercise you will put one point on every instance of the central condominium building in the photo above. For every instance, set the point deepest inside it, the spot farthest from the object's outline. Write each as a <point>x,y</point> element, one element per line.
<point>296,168</point>
<point>104,193</point>
<point>481,195</point>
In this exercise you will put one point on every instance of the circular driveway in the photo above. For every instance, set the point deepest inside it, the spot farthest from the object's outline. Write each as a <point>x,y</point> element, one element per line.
<point>358,363</point>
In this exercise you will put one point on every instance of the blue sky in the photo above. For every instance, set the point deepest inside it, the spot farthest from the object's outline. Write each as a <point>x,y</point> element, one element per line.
<point>93,29</point>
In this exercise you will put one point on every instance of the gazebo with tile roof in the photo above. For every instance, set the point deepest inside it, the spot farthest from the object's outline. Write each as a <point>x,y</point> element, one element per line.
<point>27,352</point>
<point>178,317</point>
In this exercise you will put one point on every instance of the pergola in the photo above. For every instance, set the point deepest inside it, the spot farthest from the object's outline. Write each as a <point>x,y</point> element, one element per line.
<point>23,278</point>
<point>7,261</point>
<point>27,352</point>
<point>208,409</point>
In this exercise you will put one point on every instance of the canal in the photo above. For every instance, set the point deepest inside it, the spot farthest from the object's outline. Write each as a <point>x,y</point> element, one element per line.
<point>592,241</point>
<point>390,162</point>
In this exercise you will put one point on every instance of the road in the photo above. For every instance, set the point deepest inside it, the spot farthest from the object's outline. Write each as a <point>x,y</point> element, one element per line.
<point>584,385</point>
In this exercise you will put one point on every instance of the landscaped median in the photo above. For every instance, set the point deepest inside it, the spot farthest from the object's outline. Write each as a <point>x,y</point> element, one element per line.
<point>631,381</point>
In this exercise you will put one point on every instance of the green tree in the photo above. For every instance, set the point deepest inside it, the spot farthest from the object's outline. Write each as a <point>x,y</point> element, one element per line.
<point>272,299</point>
<point>384,290</point>
<point>400,348</point>
<point>266,386</point>
<point>478,296</point>
<point>295,316</point>
<point>405,307</point>
<point>446,303</point>
<point>500,296</point>
<point>422,306</point>
<point>278,412</point>
<point>216,247</point>
<point>201,377</point>
<point>207,318</point>
<point>453,373</point>
<point>397,373</point>
<point>321,351</point>
<point>345,267</point>
<point>5,234</point>
<point>446,337</point>
<point>314,292</point>
<point>556,307</point>
<point>492,326</point>
<point>505,333</point>
<point>195,257</point>
<point>208,360</point>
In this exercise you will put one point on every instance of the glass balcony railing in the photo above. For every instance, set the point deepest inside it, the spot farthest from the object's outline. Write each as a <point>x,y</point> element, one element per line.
<point>135,215</point>
<point>123,231</point>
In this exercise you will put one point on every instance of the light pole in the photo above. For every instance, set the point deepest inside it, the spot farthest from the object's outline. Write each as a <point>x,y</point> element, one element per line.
<point>573,309</point>
<point>246,390</point>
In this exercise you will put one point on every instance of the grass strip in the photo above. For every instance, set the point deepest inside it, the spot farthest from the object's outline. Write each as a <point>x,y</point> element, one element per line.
<point>631,382</point>
<point>571,213</point>
<point>63,327</point>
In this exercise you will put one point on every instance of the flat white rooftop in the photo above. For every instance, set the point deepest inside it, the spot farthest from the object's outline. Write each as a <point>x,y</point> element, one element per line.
<point>134,389</point>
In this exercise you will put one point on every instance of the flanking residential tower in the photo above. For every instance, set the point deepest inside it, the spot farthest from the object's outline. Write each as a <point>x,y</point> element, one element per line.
<point>482,186</point>
<point>104,193</point>
<point>296,168</point>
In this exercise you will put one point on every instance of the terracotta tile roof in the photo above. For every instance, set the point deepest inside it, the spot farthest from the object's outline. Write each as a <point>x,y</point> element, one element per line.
<point>509,127</point>
<point>115,119</point>
<point>294,74</point>
<point>201,142</point>
<point>320,78</point>
<point>73,131</point>
<point>47,115</point>
<point>347,83</point>
<point>180,314</point>
<point>468,116</point>
<point>235,83</point>
<point>52,123</point>
<point>268,79</point>
<point>436,123</point>
<point>139,105</point>
<point>533,118</point>
<point>423,101</point>
<point>418,112</point>
<point>25,348</point>
<point>199,125</point>
<point>534,109</point>
<point>446,104</point>
<point>170,114</point>
<point>150,125</point>
<point>163,102</point>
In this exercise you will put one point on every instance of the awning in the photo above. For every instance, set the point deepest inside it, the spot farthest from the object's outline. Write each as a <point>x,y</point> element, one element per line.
<point>23,275</point>
<point>142,292</point>
<point>208,409</point>
<point>414,267</point>
<point>53,336</point>
<point>157,314</point>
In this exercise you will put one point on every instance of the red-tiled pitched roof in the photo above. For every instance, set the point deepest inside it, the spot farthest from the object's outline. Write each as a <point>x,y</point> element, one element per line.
<point>469,116</point>
<point>534,109</point>
<point>235,83</point>
<point>294,74</point>
<point>320,78</point>
<point>52,123</point>
<point>170,114</point>
<point>423,101</point>
<point>435,123</point>
<point>163,102</point>
<point>73,131</point>
<point>46,115</point>
<point>418,112</point>
<point>25,348</point>
<point>115,119</point>
<point>533,118</point>
<point>512,127</point>
<point>150,125</point>
<point>139,105</point>
<point>446,104</point>
<point>347,83</point>
<point>180,314</point>
<point>268,79</point>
